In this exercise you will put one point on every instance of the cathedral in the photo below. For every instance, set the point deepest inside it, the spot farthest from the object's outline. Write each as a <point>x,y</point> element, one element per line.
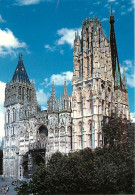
<point>73,123</point>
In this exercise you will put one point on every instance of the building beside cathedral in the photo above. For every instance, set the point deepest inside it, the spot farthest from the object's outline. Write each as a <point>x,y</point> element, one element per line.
<point>71,124</point>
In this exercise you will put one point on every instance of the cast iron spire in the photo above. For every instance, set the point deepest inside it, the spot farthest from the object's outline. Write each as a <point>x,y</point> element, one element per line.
<point>114,54</point>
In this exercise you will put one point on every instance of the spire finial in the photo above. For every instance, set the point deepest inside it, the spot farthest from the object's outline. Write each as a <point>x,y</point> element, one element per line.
<point>65,88</point>
<point>111,21</point>
<point>19,57</point>
<point>77,34</point>
<point>53,90</point>
<point>111,11</point>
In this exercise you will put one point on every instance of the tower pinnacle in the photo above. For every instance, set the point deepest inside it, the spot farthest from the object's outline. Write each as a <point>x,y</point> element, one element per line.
<point>111,21</point>
<point>53,90</point>
<point>20,72</point>
<point>65,89</point>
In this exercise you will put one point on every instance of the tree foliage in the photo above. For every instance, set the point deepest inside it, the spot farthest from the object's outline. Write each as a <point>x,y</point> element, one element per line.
<point>105,170</point>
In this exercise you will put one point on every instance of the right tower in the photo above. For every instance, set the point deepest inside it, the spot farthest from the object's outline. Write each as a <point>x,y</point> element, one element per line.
<point>98,89</point>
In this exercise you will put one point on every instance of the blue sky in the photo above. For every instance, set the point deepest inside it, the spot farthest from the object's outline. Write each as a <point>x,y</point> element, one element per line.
<point>43,30</point>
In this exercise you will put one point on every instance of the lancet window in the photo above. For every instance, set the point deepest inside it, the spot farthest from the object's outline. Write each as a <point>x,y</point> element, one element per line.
<point>14,115</point>
<point>8,116</point>
<point>80,135</point>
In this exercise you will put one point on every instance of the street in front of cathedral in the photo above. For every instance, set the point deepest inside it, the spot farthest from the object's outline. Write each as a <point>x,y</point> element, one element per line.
<point>7,181</point>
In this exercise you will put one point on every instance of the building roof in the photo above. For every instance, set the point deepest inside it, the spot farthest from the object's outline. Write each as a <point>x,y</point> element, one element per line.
<point>20,72</point>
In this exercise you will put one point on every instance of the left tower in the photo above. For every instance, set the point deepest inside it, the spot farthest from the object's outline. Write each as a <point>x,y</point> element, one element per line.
<point>20,103</point>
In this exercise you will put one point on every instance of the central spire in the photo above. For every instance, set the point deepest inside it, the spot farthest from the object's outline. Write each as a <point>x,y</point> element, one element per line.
<point>20,72</point>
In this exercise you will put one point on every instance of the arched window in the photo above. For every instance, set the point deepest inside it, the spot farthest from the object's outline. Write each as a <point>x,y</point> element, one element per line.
<point>20,92</point>
<point>80,70</point>
<point>31,133</point>
<point>51,130</point>
<point>27,136</point>
<point>88,68</point>
<point>30,95</point>
<point>62,130</point>
<point>8,116</point>
<point>90,133</point>
<point>80,135</point>
<point>23,91</point>
<point>13,131</point>
<point>56,130</point>
<point>21,134</point>
<point>7,132</point>
<point>27,94</point>
<point>43,130</point>
<point>99,38</point>
<point>102,106</point>
<point>14,115</point>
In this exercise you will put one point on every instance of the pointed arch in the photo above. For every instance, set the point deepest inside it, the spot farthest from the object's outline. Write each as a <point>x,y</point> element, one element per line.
<point>80,135</point>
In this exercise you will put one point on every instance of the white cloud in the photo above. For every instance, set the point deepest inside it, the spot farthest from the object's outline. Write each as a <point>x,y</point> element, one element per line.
<point>8,42</point>
<point>1,19</point>
<point>111,0</point>
<point>2,92</point>
<point>62,51</point>
<point>130,9</point>
<point>91,13</point>
<point>130,80</point>
<point>104,19</point>
<point>59,78</point>
<point>30,2</point>
<point>133,2</point>
<point>128,63</point>
<point>2,98</point>
<point>1,124</point>
<point>67,36</point>
<point>106,5</point>
<point>132,117</point>
<point>130,72</point>
<point>97,3</point>
<point>123,13</point>
<point>123,6</point>
<point>42,97</point>
<point>49,47</point>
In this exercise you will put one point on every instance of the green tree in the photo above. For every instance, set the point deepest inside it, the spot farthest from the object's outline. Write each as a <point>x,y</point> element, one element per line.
<point>105,170</point>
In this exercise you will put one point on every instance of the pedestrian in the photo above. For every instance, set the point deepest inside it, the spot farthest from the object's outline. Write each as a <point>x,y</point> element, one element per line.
<point>2,188</point>
<point>5,192</point>
<point>7,188</point>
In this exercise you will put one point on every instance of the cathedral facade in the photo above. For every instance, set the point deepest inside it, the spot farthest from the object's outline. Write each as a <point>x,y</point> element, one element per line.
<point>73,123</point>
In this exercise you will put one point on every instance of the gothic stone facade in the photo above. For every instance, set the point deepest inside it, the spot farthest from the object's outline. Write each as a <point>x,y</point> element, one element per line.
<point>32,135</point>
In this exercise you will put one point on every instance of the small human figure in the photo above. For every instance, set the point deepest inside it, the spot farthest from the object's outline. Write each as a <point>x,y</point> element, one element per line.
<point>7,188</point>
<point>5,192</point>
